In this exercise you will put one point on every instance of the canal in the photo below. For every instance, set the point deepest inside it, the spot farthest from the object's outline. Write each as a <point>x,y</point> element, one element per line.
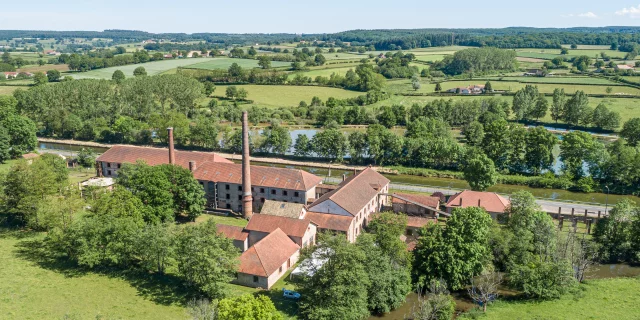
<point>444,183</point>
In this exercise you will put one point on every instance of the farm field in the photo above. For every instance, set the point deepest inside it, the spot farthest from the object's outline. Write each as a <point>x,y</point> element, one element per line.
<point>596,299</point>
<point>225,63</point>
<point>549,54</point>
<point>343,56</point>
<point>558,80</point>
<point>281,96</point>
<point>153,68</point>
<point>404,86</point>
<point>323,72</point>
<point>430,57</point>
<point>11,89</point>
<point>45,68</point>
<point>626,107</point>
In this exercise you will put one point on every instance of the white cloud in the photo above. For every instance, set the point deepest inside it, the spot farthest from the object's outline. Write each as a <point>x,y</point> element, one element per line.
<point>589,15</point>
<point>632,12</point>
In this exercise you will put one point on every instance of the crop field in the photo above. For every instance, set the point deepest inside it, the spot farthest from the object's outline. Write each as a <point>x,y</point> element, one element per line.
<point>45,68</point>
<point>153,68</point>
<point>281,96</point>
<point>596,299</point>
<point>587,47</point>
<point>225,63</point>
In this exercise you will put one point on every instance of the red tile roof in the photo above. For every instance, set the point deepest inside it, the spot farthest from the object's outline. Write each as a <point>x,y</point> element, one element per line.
<point>356,192</point>
<point>30,155</point>
<point>158,156</point>
<point>329,221</point>
<point>490,201</point>
<point>282,178</point>
<point>429,201</point>
<point>266,256</point>
<point>232,232</point>
<point>267,223</point>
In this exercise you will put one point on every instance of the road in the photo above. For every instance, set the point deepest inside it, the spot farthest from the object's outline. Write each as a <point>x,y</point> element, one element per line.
<point>550,206</point>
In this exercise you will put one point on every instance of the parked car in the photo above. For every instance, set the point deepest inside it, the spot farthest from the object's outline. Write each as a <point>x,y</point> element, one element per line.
<point>290,294</point>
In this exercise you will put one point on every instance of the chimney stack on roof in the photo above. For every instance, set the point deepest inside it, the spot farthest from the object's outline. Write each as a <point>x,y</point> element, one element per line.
<point>247,198</point>
<point>192,166</point>
<point>172,151</point>
<point>478,202</point>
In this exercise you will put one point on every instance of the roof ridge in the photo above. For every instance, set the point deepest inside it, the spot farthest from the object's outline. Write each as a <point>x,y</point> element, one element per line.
<point>258,254</point>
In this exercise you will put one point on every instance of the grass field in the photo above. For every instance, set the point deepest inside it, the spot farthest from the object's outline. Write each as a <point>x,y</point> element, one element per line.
<point>153,68</point>
<point>597,299</point>
<point>559,80</point>
<point>323,72</point>
<point>10,89</point>
<point>34,289</point>
<point>281,96</point>
<point>549,54</point>
<point>225,63</point>
<point>404,86</point>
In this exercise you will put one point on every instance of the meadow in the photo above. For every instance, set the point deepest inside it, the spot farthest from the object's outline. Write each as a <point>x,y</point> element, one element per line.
<point>595,299</point>
<point>153,68</point>
<point>325,72</point>
<point>11,89</point>
<point>549,54</point>
<point>570,86</point>
<point>284,95</point>
<point>225,63</point>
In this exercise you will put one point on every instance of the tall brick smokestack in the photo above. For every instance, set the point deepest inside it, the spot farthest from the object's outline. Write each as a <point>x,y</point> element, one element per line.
<point>247,198</point>
<point>172,151</point>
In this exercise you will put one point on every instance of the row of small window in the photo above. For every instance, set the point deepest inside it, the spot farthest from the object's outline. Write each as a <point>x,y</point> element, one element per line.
<point>273,191</point>
<point>109,165</point>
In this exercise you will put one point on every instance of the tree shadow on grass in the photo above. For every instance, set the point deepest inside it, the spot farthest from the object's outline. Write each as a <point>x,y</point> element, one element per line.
<point>165,289</point>
<point>287,306</point>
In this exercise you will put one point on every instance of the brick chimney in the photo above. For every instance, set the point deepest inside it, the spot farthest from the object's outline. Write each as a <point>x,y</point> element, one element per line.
<point>247,198</point>
<point>172,151</point>
<point>192,166</point>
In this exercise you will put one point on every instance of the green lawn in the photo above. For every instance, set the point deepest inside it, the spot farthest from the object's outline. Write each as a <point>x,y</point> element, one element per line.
<point>153,68</point>
<point>31,288</point>
<point>597,299</point>
<point>231,221</point>
<point>281,96</point>
<point>225,63</point>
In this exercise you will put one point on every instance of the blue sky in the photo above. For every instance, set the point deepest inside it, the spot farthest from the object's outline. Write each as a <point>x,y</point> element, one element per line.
<point>325,16</point>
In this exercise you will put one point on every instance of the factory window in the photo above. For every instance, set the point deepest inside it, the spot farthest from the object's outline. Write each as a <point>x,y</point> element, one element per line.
<point>262,200</point>
<point>256,279</point>
<point>226,187</point>
<point>296,194</point>
<point>261,190</point>
<point>108,165</point>
<point>228,196</point>
<point>119,166</point>
<point>239,188</point>
<point>273,191</point>
<point>285,193</point>
<point>239,197</point>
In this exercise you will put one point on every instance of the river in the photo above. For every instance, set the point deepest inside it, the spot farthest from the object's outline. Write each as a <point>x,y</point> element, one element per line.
<point>463,303</point>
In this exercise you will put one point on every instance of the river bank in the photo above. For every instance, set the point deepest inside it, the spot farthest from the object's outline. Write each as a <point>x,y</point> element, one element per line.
<point>337,170</point>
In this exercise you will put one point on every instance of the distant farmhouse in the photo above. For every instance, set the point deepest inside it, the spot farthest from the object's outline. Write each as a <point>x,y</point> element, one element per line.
<point>471,89</point>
